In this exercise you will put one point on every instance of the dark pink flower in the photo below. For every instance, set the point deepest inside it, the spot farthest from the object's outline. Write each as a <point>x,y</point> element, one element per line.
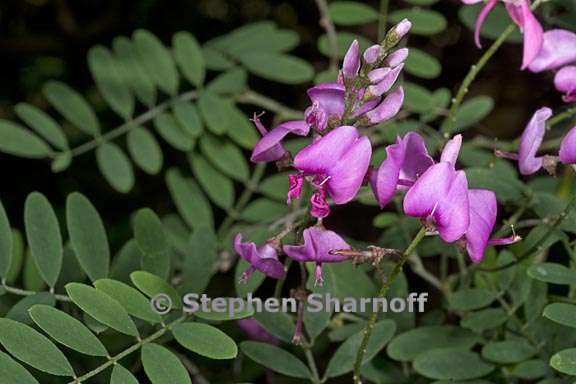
<point>388,108</point>
<point>317,247</point>
<point>269,148</point>
<point>263,259</point>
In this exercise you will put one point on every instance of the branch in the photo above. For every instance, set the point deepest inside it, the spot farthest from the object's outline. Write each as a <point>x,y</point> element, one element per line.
<point>328,25</point>
<point>23,292</point>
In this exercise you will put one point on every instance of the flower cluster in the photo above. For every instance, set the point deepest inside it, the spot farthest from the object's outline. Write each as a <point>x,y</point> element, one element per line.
<point>336,164</point>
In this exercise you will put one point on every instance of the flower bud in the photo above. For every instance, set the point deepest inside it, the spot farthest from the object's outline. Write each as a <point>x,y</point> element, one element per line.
<point>388,108</point>
<point>351,63</point>
<point>397,57</point>
<point>372,54</point>
<point>396,34</point>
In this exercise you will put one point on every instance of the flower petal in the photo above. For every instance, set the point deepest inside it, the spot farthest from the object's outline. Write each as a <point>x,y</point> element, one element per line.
<point>481,18</point>
<point>325,241</point>
<point>531,140</point>
<point>558,49</point>
<point>452,150</point>
<point>388,108</point>
<point>568,147</point>
<point>483,211</point>
<point>452,215</point>
<point>271,267</point>
<point>323,154</point>
<point>533,35</point>
<point>384,181</point>
<point>329,96</point>
<point>347,174</point>
<point>351,63</point>
<point>565,82</point>
<point>423,197</point>
<point>418,160</point>
<point>269,147</point>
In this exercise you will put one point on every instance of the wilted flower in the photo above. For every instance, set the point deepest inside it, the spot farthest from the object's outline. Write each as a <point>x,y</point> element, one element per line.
<point>255,331</point>
<point>263,259</point>
<point>337,162</point>
<point>405,162</point>
<point>269,148</point>
<point>317,247</point>
<point>520,13</point>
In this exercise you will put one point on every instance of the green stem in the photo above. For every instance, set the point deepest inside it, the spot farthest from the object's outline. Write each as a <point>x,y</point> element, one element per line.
<point>128,351</point>
<point>312,365</point>
<point>567,114</point>
<point>475,69</point>
<point>23,292</point>
<point>250,188</point>
<point>383,19</point>
<point>328,25</point>
<point>383,290</point>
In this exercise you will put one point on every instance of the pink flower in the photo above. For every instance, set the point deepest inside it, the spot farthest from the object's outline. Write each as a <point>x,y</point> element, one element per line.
<point>263,259</point>
<point>269,148</point>
<point>565,82</point>
<point>337,161</point>
<point>317,247</point>
<point>568,147</point>
<point>520,13</point>
<point>252,328</point>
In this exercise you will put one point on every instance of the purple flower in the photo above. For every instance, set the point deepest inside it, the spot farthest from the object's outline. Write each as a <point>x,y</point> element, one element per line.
<point>519,11</point>
<point>483,212</point>
<point>384,80</point>
<point>565,82</point>
<point>405,162</point>
<point>397,57</point>
<point>568,147</point>
<point>269,148</point>
<point>388,108</point>
<point>452,150</point>
<point>263,259</point>
<point>558,50</point>
<point>318,242</point>
<point>530,142</point>
<point>338,161</point>
<point>440,197</point>
<point>351,64</point>
<point>372,53</point>
<point>327,105</point>
<point>401,29</point>
<point>252,328</point>
<point>295,183</point>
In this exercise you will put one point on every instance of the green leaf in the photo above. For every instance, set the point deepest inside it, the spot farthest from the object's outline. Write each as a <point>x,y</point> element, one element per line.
<point>43,235</point>
<point>231,82</point>
<point>424,21</point>
<point>451,364</point>
<point>14,373</point>
<point>34,349</point>
<point>133,70</point>
<point>263,210</point>
<point>153,285</point>
<point>244,134</point>
<point>494,25</point>
<point>110,82</point>
<point>200,256</point>
<point>72,106</point>
<point>157,61</point>
<point>422,2</point>
<point>226,157</point>
<point>188,56</point>
<point>162,366</point>
<point>229,312</point>
<point>561,313</point>
<point>468,299</point>
<point>7,247</point>
<point>531,369</point>
<point>422,64</point>
<point>216,60</point>
<point>205,340</point>
<point>151,239</point>
<point>187,115</point>
<point>275,359</point>
<point>506,188</point>
<point>145,150</point>
<point>172,132</point>
<point>101,307</point>
<point>217,186</point>
<point>189,200</point>
<point>553,273</point>
<point>43,124</point>
<point>18,141</point>
<point>214,112</point>
<point>472,112</point>
<point>115,166</point>
<point>565,361</point>
<point>121,375</point>
<point>278,324</point>
<point>87,236</point>
<point>281,68</point>
<point>61,162</point>
<point>351,13</point>
<point>508,352</point>
<point>409,345</point>
<point>485,319</point>
<point>418,98</point>
<point>19,312</point>
<point>67,330</point>
<point>275,186</point>
<point>135,303</point>
<point>343,359</point>
<point>343,39</point>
